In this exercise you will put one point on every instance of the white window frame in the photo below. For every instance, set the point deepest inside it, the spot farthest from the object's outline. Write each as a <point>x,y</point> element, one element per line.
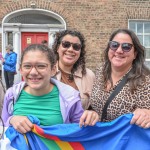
<point>142,21</point>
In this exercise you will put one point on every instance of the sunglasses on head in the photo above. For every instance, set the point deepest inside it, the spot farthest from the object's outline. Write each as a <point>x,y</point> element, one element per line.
<point>67,44</point>
<point>126,47</point>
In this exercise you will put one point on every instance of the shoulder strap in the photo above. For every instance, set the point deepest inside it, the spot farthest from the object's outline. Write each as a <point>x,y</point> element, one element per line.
<point>113,94</point>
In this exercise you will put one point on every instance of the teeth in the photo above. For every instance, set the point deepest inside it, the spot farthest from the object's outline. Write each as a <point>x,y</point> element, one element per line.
<point>34,79</point>
<point>69,55</point>
<point>118,57</point>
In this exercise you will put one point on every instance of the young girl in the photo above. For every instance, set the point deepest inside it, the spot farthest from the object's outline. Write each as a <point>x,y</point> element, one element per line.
<point>50,100</point>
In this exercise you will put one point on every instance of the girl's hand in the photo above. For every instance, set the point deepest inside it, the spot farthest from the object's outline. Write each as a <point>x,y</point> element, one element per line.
<point>21,123</point>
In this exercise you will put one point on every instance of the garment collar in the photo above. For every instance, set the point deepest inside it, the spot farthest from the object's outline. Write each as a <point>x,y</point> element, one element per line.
<point>77,73</point>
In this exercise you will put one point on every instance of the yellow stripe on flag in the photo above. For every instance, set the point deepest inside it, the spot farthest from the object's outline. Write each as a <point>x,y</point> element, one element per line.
<point>26,139</point>
<point>64,145</point>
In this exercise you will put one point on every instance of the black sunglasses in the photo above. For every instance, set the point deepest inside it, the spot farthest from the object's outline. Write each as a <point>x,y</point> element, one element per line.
<point>67,44</point>
<point>126,47</point>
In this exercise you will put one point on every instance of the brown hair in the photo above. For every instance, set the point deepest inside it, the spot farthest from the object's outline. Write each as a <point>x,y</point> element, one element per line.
<point>139,70</point>
<point>44,42</point>
<point>44,49</point>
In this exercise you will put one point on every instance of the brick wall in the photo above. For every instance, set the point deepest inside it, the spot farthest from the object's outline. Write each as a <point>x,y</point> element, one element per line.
<point>96,19</point>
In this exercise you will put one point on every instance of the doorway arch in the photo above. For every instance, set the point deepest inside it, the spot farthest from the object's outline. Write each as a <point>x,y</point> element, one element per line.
<point>29,20</point>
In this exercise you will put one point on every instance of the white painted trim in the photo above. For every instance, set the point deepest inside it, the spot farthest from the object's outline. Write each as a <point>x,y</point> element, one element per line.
<point>18,27</point>
<point>42,11</point>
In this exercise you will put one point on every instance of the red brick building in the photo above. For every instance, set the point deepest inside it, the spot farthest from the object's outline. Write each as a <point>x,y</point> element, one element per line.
<point>24,21</point>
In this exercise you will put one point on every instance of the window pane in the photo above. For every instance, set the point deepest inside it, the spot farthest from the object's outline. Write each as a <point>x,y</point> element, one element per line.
<point>147,53</point>
<point>132,26</point>
<point>147,63</point>
<point>142,30</point>
<point>140,37</point>
<point>147,27</point>
<point>10,38</point>
<point>147,40</point>
<point>139,27</point>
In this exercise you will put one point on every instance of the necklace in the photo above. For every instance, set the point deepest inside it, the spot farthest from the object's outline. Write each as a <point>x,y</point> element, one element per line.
<point>68,76</point>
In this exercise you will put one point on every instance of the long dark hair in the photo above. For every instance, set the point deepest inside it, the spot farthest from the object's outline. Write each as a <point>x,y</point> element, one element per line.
<point>81,60</point>
<point>139,70</point>
<point>44,49</point>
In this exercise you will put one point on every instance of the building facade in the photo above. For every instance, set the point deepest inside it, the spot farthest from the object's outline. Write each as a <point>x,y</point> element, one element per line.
<point>23,22</point>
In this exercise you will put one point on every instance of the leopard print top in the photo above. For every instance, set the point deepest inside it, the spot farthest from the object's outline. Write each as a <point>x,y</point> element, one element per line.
<point>124,102</point>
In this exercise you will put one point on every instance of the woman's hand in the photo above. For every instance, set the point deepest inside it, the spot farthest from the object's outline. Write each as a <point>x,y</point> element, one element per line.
<point>3,60</point>
<point>21,123</point>
<point>141,117</point>
<point>89,117</point>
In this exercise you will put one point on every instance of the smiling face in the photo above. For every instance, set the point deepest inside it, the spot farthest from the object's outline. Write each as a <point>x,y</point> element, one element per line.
<point>36,71</point>
<point>68,56</point>
<point>121,60</point>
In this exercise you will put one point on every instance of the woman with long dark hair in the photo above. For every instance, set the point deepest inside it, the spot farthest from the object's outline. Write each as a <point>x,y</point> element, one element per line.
<point>123,67</point>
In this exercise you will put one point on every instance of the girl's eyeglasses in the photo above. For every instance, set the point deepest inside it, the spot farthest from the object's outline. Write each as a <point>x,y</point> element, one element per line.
<point>39,67</point>
<point>67,44</point>
<point>126,47</point>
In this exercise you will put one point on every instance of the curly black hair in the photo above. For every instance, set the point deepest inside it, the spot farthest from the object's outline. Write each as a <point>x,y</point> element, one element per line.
<point>81,61</point>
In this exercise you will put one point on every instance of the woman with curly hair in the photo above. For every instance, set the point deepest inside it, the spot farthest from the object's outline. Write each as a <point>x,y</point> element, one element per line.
<point>69,47</point>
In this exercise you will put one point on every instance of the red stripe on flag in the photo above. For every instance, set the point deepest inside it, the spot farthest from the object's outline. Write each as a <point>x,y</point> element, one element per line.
<point>40,131</point>
<point>76,146</point>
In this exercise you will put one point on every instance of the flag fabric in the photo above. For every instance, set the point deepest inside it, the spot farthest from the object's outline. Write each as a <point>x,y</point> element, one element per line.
<point>118,134</point>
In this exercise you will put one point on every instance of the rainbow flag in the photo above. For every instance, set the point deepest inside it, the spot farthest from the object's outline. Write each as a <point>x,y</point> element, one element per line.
<point>115,135</point>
